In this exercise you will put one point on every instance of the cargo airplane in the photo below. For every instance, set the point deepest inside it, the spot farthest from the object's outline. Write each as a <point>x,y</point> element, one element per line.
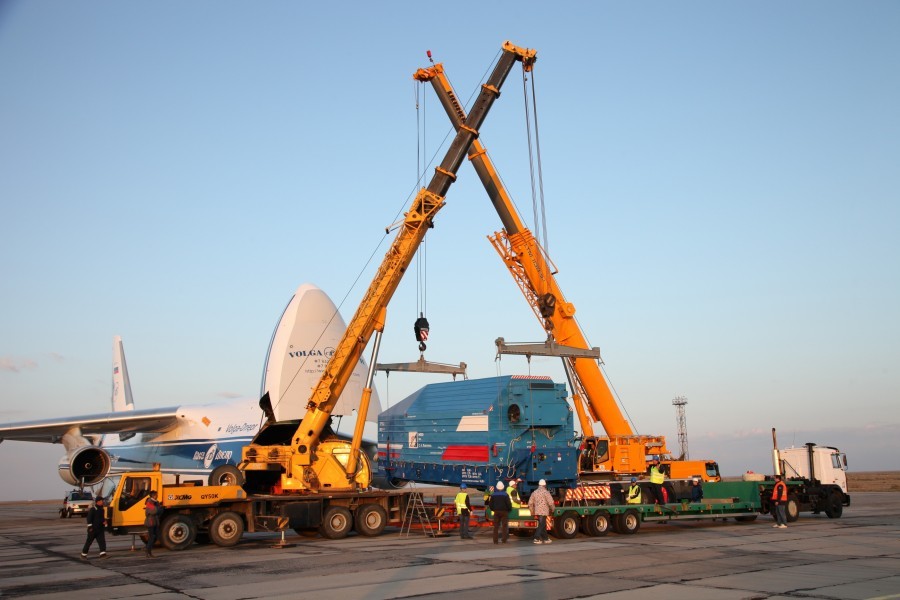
<point>203,442</point>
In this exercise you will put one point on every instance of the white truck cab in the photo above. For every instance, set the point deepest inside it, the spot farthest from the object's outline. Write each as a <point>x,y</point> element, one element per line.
<point>825,463</point>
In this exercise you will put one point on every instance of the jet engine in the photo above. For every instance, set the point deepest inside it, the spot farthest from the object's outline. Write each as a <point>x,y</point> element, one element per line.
<point>86,465</point>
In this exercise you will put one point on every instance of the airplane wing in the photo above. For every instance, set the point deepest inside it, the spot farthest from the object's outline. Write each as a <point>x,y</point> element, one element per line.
<point>131,421</point>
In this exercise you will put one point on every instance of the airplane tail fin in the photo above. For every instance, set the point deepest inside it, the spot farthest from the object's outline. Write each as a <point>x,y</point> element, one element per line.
<point>121,384</point>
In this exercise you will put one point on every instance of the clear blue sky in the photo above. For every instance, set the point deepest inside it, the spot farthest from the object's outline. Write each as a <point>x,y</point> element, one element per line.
<point>722,184</point>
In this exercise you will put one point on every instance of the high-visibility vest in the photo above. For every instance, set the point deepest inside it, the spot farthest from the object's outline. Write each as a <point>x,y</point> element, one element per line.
<point>656,476</point>
<point>634,494</point>
<point>514,498</point>
<point>461,502</point>
<point>779,492</point>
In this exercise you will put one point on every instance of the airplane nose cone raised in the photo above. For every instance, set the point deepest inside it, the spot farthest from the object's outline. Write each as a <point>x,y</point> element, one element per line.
<point>304,340</point>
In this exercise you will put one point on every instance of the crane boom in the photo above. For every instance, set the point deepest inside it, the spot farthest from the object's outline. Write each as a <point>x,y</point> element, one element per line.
<point>311,464</point>
<point>621,452</point>
<point>532,272</point>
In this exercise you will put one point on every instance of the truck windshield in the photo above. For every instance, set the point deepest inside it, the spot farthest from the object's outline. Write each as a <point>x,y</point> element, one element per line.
<point>839,461</point>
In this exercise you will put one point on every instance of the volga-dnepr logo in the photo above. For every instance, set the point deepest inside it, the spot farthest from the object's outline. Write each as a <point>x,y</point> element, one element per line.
<point>312,353</point>
<point>211,455</point>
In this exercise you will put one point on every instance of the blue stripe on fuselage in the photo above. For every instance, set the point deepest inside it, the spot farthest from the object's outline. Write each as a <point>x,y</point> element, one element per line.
<point>176,456</point>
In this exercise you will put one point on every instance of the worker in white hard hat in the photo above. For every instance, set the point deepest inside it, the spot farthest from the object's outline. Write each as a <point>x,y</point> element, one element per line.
<point>541,504</point>
<point>500,507</point>
<point>696,490</point>
<point>513,492</point>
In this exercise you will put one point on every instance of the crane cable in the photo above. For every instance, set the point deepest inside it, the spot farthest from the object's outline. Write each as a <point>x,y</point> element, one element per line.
<point>537,200</point>
<point>422,251</point>
<point>534,156</point>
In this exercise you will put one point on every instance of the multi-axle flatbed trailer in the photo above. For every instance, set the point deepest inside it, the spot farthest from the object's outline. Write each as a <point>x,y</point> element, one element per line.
<point>741,500</point>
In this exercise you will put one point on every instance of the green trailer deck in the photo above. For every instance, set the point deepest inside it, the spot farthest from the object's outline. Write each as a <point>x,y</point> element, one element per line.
<point>740,500</point>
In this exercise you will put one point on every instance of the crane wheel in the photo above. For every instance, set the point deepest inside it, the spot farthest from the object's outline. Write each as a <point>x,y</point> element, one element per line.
<point>226,475</point>
<point>226,529</point>
<point>337,523</point>
<point>177,532</point>
<point>370,520</point>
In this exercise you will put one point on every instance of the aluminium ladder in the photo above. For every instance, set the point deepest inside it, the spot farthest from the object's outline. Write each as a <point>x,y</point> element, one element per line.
<point>415,511</point>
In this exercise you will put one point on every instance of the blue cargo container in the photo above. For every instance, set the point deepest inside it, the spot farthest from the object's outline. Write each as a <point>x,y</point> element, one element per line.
<point>481,431</point>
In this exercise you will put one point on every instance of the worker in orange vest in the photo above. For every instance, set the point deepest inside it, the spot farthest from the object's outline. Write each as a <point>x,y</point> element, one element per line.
<point>779,501</point>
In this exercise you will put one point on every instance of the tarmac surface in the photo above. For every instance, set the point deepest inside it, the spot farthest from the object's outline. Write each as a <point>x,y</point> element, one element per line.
<point>854,557</point>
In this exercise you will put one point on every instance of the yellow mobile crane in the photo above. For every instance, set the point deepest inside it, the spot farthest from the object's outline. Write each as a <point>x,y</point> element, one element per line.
<point>311,463</point>
<point>621,452</point>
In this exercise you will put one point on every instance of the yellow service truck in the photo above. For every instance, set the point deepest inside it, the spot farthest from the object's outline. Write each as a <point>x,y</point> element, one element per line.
<point>221,514</point>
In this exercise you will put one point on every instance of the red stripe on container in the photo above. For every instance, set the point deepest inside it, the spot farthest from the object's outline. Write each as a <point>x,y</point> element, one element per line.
<point>466,453</point>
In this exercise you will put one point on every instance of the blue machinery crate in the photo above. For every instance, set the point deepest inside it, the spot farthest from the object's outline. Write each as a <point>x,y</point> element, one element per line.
<point>480,431</point>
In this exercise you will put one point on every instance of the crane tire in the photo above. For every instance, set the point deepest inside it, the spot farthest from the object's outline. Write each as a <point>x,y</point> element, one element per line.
<point>337,523</point>
<point>177,532</point>
<point>226,529</point>
<point>226,475</point>
<point>370,520</point>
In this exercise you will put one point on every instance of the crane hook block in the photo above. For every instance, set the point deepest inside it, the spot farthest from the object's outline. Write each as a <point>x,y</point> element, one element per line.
<point>421,329</point>
<point>547,305</point>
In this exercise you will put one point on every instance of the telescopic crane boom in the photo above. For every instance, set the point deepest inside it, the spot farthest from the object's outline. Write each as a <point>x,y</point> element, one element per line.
<point>621,452</point>
<point>311,464</point>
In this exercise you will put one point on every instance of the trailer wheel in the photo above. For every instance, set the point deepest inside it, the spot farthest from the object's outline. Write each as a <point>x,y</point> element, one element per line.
<point>834,506</point>
<point>597,524</point>
<point>337,523</point>
<point>629,522</point>
<point>370,520</point>
<point>792,509</point>
<point>226,475</point>
<point>566,526</point>
<point>226,529</point>
<point>178,532</point>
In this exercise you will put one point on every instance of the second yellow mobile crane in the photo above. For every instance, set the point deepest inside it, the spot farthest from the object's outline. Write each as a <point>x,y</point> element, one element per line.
<point>310,463</point>
<point>621,452</point>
